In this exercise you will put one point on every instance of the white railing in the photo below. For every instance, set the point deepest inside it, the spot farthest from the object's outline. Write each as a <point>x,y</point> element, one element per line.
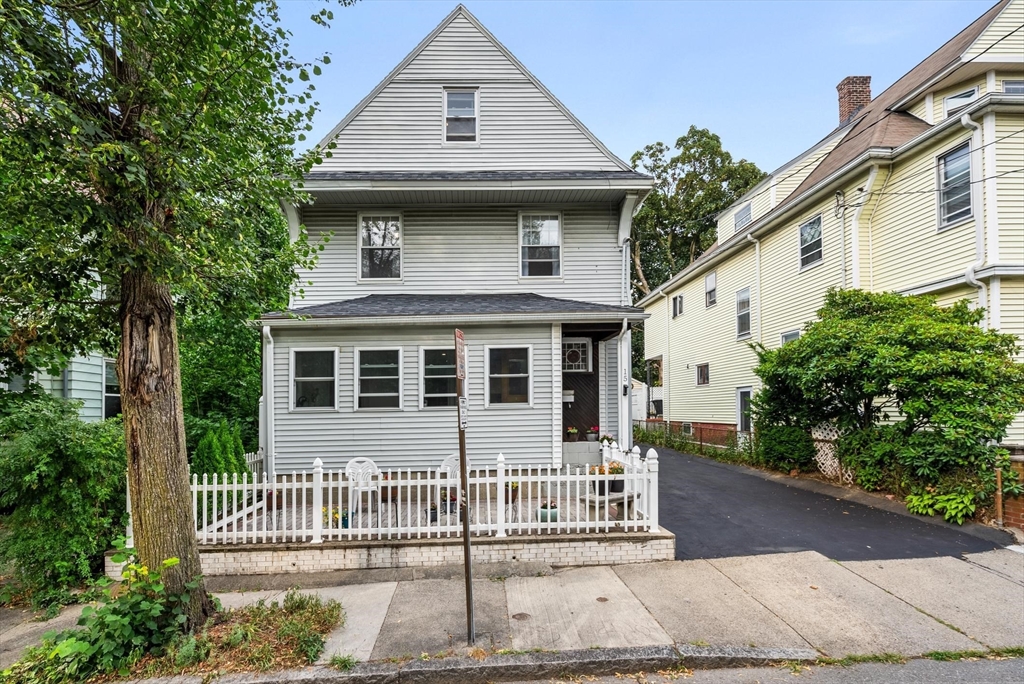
<point>254,459</point>
<point>502,501</point>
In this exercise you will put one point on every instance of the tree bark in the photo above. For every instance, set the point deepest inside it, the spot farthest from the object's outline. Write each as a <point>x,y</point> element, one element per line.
<point>642,284</point>
<point>154,426</point>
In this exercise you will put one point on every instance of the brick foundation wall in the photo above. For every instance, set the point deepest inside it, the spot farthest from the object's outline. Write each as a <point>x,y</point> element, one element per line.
<point>1013,507</point>
<point>557,550</point>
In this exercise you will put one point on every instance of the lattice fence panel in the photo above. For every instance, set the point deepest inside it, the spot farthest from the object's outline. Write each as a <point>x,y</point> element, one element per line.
<point>825,436</point>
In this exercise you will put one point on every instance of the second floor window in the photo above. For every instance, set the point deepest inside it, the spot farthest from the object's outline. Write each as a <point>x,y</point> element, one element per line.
<point>677,306</point>
<point>955,185</point>
<point>954,103</point>
<point>460,115</point>
<point>710,289</point>
<point>380,246</point>
<point>742,218</point>
<point>703,374</point>
<point>111,390</point>
<point>743,313</point>
<point>540,239</point>
<point>1013,87</point>
<point>810,242</point>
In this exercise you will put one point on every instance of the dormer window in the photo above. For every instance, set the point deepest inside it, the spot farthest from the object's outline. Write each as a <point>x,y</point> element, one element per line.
<point>741,218</point>
<point>954,103</point>
<point>460,115</point>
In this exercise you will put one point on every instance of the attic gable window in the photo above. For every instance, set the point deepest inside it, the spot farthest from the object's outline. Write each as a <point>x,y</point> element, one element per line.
<point>460,115</point>
<point>741,218</point>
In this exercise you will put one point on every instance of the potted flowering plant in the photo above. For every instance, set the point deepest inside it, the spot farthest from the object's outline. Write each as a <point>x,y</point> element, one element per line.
<point>607,439</point>
<point>592,433</point>
<point>511,492</point>
<point>572,433</point>
<point>615,485</point>
<point>337,520</point>
<point>548,511</point>
<point>448,501</point>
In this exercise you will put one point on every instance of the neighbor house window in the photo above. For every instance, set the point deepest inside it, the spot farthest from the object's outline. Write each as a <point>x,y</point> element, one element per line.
<point>743,313</point>
<point>955,185</point>
<point>508,375</point>
<point>743,397</point>
<point>380,246</point>
<point>438,384</point>
<point>710,284</point>
<point>810,242</point>
<point>703,374</point>
<point>460,115</point>
<point>314,374</point>
<point>111,390</point>
<point>790,336</point>
<point>540,240</point>
<point>1013,87</point>
<point>677,306</point>
<point>955,103</point>
<point>742,218</point>
<point>379,378</point>
<point>576,355</point>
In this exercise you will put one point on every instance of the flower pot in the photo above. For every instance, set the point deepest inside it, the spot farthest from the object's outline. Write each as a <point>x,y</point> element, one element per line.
<point>511,494</point>
<point>591,436</point>
<point>613,487</point>
<point>547,514</point>
<point>573,436</point>
<point>433,515</point>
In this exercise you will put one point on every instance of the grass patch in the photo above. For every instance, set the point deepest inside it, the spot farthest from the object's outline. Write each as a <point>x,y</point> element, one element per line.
<point>342,662</point>
<point>946,656</point>
<point>258,638</point>
<point>887,658</point>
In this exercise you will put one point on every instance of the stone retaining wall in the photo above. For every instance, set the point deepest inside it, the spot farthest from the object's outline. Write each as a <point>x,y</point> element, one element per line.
<point>614,548</point>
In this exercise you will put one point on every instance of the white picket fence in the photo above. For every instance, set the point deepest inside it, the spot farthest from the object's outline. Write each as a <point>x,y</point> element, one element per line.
<point>407,504</point>
<point>254,459</point>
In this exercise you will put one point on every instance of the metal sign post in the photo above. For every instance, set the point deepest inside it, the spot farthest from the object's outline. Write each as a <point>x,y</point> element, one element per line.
<point>460,379</point>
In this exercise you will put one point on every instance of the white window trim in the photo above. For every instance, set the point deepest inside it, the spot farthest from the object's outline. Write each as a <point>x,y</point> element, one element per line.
<point>292,408</point>
<point>696,375</point>
<point>687,428</point>
<point>800,246</point>
<point>735,217</point>
<point>940,226</point>
<point>401,381</point>
<point>590,354</point>
<point>422,375</point>
<point>706,290</point>
<point>782,336</point>
<point>739,410</point>
<point>401,245</point>
<point>104,394</point>
<point>445,142</point>
<point>945,101</point>
<point>677,306</point>
<point>561,248</point>
<point>750,313</point>
<point>487,374</point>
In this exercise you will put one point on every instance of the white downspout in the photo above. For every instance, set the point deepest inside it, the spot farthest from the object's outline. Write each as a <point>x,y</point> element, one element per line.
<point>268,394</point>
<point>624,232</point>
<point>979,218</point>
<point>757,280</point>
<point>855,238</point>
<point>624,398</point>
<point>666,355</point>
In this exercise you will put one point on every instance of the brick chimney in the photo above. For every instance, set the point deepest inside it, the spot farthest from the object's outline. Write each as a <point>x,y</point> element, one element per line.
<point>854,95</point>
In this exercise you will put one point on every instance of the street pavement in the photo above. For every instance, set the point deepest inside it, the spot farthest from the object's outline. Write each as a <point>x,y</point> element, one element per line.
<point>720,510</point>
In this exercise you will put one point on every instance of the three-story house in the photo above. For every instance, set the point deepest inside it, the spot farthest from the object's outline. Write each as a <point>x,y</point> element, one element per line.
<point>461,194</point>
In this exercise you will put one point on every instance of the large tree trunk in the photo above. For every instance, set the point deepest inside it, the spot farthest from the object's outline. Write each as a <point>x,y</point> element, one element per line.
<point>154,426</point>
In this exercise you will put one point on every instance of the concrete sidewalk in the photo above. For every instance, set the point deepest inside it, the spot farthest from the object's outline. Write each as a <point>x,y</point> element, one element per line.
<point>802,602</point>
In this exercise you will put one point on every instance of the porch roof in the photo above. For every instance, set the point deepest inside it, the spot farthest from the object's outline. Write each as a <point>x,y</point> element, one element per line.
<point>453,308</point>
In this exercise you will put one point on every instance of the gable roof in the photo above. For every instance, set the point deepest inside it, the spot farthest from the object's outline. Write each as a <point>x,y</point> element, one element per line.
<point>878,125</point>
<point>463,14</point>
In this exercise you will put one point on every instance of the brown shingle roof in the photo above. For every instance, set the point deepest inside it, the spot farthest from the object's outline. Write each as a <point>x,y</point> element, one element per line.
<point>878,126</point>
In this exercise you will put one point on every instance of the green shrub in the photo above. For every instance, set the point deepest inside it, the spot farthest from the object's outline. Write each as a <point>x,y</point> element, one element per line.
<point>63,481</point>
<point>785,448</point>
<point>220,451</point>
<point>140,618</point>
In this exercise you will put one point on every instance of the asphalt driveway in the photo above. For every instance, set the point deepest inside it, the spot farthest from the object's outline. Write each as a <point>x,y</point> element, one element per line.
<point>718,510</point>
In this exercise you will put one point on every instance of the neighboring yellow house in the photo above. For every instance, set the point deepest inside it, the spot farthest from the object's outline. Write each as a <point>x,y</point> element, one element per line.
<point>919,190</point>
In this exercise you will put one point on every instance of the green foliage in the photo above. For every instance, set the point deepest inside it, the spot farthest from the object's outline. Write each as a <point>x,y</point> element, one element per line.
<point>342,662</point>
<point>140,617</point>
<point>63,481</point>
<point>955,506</point>
<point>920,394</point>
<point>785,447</point>
<point>220,451</point>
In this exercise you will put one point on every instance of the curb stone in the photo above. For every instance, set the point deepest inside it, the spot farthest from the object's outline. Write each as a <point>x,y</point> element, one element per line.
<point>522,666</point>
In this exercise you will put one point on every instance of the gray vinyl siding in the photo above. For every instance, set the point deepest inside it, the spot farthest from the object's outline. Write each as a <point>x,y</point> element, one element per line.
<point>85,384</point>
<point>519,127</point>
<point>412,437</point>
<point>458,249</point>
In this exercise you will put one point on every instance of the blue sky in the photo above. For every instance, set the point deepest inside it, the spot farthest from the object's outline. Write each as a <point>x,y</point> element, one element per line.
<point>762,75</point>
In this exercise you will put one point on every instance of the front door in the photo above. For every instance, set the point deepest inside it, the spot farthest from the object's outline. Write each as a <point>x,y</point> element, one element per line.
<point>580,376</point>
